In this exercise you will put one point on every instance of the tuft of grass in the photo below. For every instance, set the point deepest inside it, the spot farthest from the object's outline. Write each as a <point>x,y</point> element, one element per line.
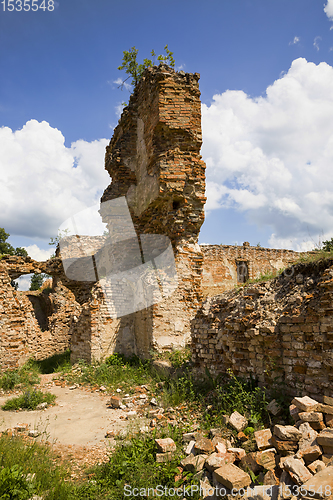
<point>26,376</point>
<point>29,400</point>
<point>54,363</point>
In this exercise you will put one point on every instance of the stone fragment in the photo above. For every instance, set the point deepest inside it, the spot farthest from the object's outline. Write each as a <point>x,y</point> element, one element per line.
<point>115,402</point>
<point>204,445</point>
<point>270,478</point>
<point>329,420</point>
<point>297,470</point>
<point>225,419</point>
<point>305,403</point>
<point>221,444</point>
<point>310,453</point>
<point>242,437</point>
<point>327,409</point>
<point>274,408</point>
<point>325,438</point>
<point>263,439</point>
<point>320,485</point>
<point>309,436</point>
<point>294,411</point>
<point>190,436</point>
<point>316,466</point>
<point>194,464</point>
<point>21,427</point>
<point>328,400</point>
<point>238,452</point>
<point>286,486</point>
<point>327,459</point>
<point>33,433</point>
<point>190,448</point>
<point>318,426</point>
<point>164,457</point>
<point>42,406</point>
<point>249,462</point>
<point>131,414</point>
<point>207,490</point>
<point>260,492</point>
<point>237,421</point>
<point>232,477</point>
<point>165,445</point>
<point>287,432</point>
<point>311,416</point>
<point>216,460</point>
<point>285,447</point>
<point>266,459</point>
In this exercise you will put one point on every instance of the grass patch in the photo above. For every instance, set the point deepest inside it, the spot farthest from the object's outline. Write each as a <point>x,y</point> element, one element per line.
<point>53,364</point>
<point>26,376</point>
<point>29,400</point>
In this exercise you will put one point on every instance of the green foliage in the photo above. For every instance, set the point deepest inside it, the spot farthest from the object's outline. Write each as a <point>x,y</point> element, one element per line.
<point>7,248</point>
<point>26,376</point>
<point>231,393</point>
<point>29,400</point>
<point>53,364</point>
<point>37,281</point>
<point>327,246</point>
<point>135,70</point>
<point>14,484</point>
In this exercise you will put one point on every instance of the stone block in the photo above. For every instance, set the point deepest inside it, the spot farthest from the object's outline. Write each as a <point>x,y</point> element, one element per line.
<point>194,463</point>
<point>309,435</point>
<point>115,402</point>
<point>204,445</point>
<point>325,438</point>
<point>263,439</point>
<point>220,445</point>
<point>165,445</point>
<point>328,400</point>
<point>232,477</point>
<point>316,466</point>
<point>311,416</point>
<point>297,470</point>
<point>329,421</point>
<point>327,459</point>
<point>270,478</point>
<point>238,421</point>
<point>294,411</point>
<point>327,409</point>
<point>249,462</point>
<point>238,452</point>
<point>274,408</point>
<point>285,447</point>
<point>217,460</point>
<point>164,457</point>
<point>287,432</point>
<point>266,459</point>
<point>310,453</point>
<point>327,450</point>
<point>320,485</point>
<point>190,448</point>
<point>305,403</point>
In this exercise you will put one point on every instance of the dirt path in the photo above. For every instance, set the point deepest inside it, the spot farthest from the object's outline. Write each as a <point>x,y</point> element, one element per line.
<point>76,425</point>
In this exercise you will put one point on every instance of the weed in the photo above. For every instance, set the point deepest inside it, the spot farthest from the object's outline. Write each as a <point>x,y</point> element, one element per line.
<point>29,400</point>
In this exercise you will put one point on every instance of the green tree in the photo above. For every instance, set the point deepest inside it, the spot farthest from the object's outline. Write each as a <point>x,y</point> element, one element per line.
<point>135,70</point>
<point>7,248</point>
<point>36,281</point>
<point>327,245</point>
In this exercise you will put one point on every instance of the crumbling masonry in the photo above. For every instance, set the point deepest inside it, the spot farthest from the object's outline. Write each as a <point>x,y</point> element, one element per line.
<point>154,161</point>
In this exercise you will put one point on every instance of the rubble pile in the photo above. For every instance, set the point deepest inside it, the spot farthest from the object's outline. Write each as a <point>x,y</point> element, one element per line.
<point>291,461</point>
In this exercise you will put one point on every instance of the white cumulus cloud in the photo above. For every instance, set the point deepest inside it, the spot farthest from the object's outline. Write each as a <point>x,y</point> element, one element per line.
<point>39,254</point>
<point>43,182</point>
<point>328,9</point>
<point>272,156</point>
<point>295,40</point>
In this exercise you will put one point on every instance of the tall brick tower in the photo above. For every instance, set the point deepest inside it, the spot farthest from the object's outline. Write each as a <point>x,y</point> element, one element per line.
<point>154,161</point>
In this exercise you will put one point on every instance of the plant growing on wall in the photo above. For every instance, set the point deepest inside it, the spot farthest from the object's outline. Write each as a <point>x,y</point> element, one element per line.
<point>135,70</point>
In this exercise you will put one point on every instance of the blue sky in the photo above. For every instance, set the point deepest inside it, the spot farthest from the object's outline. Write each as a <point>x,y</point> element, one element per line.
<point>267,91</point>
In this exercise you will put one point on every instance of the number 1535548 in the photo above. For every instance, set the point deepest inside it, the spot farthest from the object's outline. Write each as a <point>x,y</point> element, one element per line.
<point>25,5</point>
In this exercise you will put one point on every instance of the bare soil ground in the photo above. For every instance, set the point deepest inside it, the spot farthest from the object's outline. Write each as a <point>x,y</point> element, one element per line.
<point>75,426</point>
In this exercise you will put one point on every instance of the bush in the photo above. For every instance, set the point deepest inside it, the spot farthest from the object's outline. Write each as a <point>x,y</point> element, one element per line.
<point>14,484</point>
<point>25,376</point>
<point>29,400</point>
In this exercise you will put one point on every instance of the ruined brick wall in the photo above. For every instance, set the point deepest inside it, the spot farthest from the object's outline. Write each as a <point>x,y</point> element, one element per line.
<point>276,330</point>
<point>220,262</point>
<point>154,160</point>
<point>32,324</point>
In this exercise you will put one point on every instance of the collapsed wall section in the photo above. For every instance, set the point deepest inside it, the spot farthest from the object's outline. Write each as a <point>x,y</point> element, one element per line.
<point>279,330</point>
